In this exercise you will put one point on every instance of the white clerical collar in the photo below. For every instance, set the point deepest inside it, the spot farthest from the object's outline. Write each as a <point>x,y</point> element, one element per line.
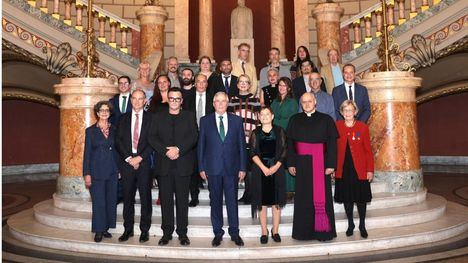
<point>309,113</point>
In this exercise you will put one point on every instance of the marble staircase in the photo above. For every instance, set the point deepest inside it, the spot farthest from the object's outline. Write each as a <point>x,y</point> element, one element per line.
<point>393,221</point>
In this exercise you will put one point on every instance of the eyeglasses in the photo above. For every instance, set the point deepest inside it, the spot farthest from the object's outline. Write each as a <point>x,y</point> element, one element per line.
<point>172,99</point>
<point>104,110</point>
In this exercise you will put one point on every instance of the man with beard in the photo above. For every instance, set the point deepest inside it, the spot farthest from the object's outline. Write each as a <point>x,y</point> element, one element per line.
<point>173,72</point>
<point>187,83</point>
<point>225,81</point>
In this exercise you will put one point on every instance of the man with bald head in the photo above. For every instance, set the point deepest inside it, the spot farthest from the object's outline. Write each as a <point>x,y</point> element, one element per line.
<point>325,102</point>
<point>312,159</point>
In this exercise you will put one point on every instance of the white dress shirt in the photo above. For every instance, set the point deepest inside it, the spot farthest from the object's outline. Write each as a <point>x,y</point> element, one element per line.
<point>203,97</point>
<point>306,82</point>
<point>224,79</point>
<point>352,89</point>
<point>225,122</point>
<point>126,100</point>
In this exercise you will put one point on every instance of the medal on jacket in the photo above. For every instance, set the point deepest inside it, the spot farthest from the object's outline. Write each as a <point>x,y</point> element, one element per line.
<point>358,135</point>
<point>354,138</point>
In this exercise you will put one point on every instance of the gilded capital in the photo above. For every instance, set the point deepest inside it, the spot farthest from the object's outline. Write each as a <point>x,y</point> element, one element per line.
<point>330,12</point>
<point>152,15</point>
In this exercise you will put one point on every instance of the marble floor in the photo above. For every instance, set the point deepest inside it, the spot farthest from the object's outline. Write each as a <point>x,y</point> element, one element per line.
<point>17,197</point>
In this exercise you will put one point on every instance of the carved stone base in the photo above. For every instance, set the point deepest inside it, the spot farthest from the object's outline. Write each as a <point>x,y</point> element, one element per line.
<point>72,187</point>
<point>235,43</point>
<point>401,182</point>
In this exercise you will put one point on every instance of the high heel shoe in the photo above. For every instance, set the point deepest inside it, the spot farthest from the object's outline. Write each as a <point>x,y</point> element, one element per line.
<point>276,237</point>
<point>264,238</point>
<point>363,232</point>
<point>350,231</point>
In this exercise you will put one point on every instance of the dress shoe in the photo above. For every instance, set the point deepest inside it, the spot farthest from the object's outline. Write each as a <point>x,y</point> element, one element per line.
<point>144,236</point>
<point>125,236</point>
<point>98,237</point>
<point>164,240</point>
<point>237,240</point>
<point>184,240</point>
<point>106,234</point>
<point>193,203</point>
<point>363,232</point>
<point>245,200</point>
<point>350,231</point>
<point>217,241</point>
<point>276,237</point>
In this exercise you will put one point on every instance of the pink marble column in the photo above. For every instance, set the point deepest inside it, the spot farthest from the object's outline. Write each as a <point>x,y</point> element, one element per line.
<point>394,130</point>
<point>77,99</point>
<point>301,23</point>
<point>277,26</point>
<point>152,20</point>
<point>327,17</point>
<point>181,30</point>
<point>205,27</point>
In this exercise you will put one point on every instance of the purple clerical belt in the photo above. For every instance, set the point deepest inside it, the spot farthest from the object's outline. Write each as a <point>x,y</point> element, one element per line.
<point>316,151</point>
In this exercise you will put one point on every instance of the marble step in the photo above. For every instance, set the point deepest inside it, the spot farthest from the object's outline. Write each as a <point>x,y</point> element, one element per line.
<point>430,209</point>
<point>26,229</point>
<point>379,200</point>
<point>376,187</point>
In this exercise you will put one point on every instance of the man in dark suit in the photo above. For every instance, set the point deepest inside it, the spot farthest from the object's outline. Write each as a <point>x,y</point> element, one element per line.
<point>134,149</point>
<point>174,136</point>
<point>301,84</point>
<point>225,81</point>
<point>222,159</point>
<point>121,102</point>
<point>200,103</point>
<point>350,90</point>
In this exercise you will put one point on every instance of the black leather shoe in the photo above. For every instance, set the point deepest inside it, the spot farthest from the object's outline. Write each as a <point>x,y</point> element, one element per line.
<point>184,240</point>
<point>125,236</point>
<point>164,240</point>
<point>350,231</point>
<point>245,200</point>
<point>363,232</point>
<point>237,240</point>
<point>98,237</point>
<point>193,203</point>
<point>217,241</point>
<point>144,236</point>
<point>106,234</point>
<point>276,237</point>
<point>264,239</point>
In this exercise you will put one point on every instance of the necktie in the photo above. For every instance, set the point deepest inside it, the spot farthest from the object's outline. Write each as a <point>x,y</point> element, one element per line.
<point>243,66</point>
<point>222,133</point>
<point>136,135</point>
<point>199,109</point>
<point>124,104</point>
<point>226,84</point>
<point>350,93</point>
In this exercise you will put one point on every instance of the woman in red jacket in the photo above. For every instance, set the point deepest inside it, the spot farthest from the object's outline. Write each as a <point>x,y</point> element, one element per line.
<point>355,166</point>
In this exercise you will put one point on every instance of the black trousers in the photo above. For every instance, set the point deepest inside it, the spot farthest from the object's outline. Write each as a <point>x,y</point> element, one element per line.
<point>195,181</point>
<point>132,180</point>
<point>170,185</point>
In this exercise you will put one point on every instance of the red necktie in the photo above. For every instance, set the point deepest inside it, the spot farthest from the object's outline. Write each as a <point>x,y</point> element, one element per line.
<point>136,135</point>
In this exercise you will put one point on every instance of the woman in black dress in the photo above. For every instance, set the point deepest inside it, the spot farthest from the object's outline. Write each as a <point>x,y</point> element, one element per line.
<point>355,166</point>
<point>268,152</point>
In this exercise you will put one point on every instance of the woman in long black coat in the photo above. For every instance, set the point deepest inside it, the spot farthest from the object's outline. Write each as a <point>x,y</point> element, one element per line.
<point>268,153</point>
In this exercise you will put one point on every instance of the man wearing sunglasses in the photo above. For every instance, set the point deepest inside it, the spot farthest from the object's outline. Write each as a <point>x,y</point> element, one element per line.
<point>174,135</point>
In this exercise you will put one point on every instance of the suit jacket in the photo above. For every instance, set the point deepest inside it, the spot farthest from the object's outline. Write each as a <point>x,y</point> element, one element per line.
<point>359,145</point>
<point>181,133</point>
<point>327,74</point>
<point>216,156</point>
<point>250,70</point>
<point>217,84</point>
<point>116,114</point>
<point>360,97</point>
<point>124,141</point>
<point>299,87</point>
<point>100,158</point>
<point>191,101</point>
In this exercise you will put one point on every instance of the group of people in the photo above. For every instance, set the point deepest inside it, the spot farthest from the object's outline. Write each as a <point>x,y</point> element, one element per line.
<point>288,138</point>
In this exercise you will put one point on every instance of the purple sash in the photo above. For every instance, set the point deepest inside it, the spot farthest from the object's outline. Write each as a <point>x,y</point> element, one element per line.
<point>316,151</point>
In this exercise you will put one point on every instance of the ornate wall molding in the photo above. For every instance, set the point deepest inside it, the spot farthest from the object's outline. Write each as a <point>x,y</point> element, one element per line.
<point>29,95</point>
<point>443,91</point>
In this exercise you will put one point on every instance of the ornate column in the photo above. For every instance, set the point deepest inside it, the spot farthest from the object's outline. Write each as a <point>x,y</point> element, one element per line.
<point>152,20</point>
<point>181,30</point>
<point>394,130</point>
<point>301,23</point>
<point>277,26</point>
<point>205,26</point>
<point>327,17</point>
<point>77,99</point>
